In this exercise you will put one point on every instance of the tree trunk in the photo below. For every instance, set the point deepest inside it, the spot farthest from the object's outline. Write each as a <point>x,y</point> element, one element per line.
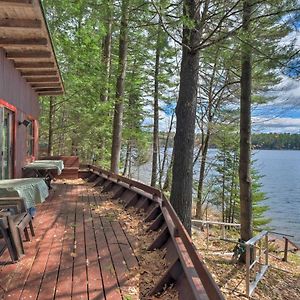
<point>223,186</point>
<point>165,155</point>
<point>106,51</point>
<point>245,129</point>
<point>156,113</point>
<point>182,182</point>
<point>50,130</point>
<point>127,158</point>
<point>168,179</point>
<point>64,117</point>
<point>202,175</point>
<point>74,146</point>
<point>120,90</point>
<point>106,63</point>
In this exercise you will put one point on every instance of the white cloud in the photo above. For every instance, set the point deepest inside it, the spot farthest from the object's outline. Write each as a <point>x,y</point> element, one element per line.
<point>286,92</point>
<point>278,125</point>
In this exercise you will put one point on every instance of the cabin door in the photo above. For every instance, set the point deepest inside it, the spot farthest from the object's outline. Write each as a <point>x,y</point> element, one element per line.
<point>6,143</point>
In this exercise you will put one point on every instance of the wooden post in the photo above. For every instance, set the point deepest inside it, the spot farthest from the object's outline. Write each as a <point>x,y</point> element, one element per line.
<point>207,235</point>
<point>223,231</point>
<point>260,254</point>
<point>267,249</point>
<point>286,248</point>
<point>248,263</point>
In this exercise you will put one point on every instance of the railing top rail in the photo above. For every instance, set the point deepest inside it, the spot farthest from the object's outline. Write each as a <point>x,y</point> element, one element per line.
<point>256,238</point>
<point>292,243</point>
<point>280,233</point>
<point>131,182</point>
<point>216,223</point>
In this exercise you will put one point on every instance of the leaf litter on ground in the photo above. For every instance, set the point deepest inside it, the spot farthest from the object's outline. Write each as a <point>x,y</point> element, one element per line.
<point>151,264</point>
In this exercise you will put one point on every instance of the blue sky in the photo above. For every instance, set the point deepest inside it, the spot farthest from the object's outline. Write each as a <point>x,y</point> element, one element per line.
<point>283,113</point>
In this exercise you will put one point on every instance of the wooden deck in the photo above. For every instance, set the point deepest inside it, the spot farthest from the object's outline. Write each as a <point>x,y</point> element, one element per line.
<point>76,253</point>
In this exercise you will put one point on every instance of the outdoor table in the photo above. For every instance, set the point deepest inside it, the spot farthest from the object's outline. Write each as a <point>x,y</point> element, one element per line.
<point>46,169</point>
<point>58,163</point>
<point>32,190</point>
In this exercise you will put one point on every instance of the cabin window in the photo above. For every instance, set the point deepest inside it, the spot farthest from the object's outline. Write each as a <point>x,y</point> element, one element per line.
<point>30,138</point>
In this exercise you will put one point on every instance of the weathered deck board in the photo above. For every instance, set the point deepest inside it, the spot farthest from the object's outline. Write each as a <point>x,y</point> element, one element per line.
<point>110,282</point>
<point>48,285</point>
<point>52,268</point>
<point>95,286</point>
<point>64,279</point>
<point>79,290</point>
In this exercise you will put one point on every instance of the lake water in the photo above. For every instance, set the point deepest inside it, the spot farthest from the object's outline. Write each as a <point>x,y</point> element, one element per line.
<point>280,182</point>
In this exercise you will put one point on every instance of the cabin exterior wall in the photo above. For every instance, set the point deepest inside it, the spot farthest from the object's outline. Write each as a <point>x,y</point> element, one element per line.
<point>17,95</point>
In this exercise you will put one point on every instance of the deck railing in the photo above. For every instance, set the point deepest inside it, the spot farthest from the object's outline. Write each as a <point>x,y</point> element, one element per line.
<point>260,260</point>
<point>198,277</point>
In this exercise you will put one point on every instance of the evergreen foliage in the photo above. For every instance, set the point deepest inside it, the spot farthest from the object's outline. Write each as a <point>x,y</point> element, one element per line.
<point>83,118</point>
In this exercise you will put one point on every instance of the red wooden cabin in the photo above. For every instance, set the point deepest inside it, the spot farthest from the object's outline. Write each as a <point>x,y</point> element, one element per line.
<point>28,69</point>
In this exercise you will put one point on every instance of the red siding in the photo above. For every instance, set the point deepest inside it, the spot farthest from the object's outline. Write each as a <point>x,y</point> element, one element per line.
<point>16,91</point>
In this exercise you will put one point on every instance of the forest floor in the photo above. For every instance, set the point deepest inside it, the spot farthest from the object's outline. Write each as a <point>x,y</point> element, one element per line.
<point>281,281</point>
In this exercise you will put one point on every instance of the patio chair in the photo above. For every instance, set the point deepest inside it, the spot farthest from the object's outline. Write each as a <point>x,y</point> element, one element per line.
<point>16,203</point>
<point>18,218</point>
<point>7,240</point>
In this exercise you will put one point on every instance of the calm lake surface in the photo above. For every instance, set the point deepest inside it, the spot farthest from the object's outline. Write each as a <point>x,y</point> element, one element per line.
<point>280,182</point>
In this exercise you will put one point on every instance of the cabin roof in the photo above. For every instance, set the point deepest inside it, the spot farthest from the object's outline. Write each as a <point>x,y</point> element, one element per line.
<point>25,37</point>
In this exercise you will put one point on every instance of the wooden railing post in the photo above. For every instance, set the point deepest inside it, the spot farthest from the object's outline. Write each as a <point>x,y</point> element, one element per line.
<point>223,231</point>
<point>248,263</point>
<point>267,250</point>
<point>286,247</point>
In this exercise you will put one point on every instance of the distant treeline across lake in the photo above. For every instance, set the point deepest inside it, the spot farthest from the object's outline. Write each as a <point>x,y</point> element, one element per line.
<point>275,141</point>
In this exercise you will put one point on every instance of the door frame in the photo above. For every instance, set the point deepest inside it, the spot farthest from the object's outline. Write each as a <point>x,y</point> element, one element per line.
<point>13,109</point>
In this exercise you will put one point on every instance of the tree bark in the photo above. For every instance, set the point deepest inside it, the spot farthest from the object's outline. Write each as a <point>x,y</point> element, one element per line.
<point>127,158</point>
<point>106,52</point>
<point>182,182</point>
<point>165,154</point>
<point>156,113</point>
<point>62,140</point>
<point>168,178</point>
<point>50,129</point>
<point>120,89</point>
<point>202,175</point>
<point>245,128</point>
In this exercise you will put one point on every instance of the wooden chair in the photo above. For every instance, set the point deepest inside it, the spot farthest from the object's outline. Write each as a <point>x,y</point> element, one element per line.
<point>16,203</point>
<point>13,208</point>
<point>22,221</point>
<point>10,240</point>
